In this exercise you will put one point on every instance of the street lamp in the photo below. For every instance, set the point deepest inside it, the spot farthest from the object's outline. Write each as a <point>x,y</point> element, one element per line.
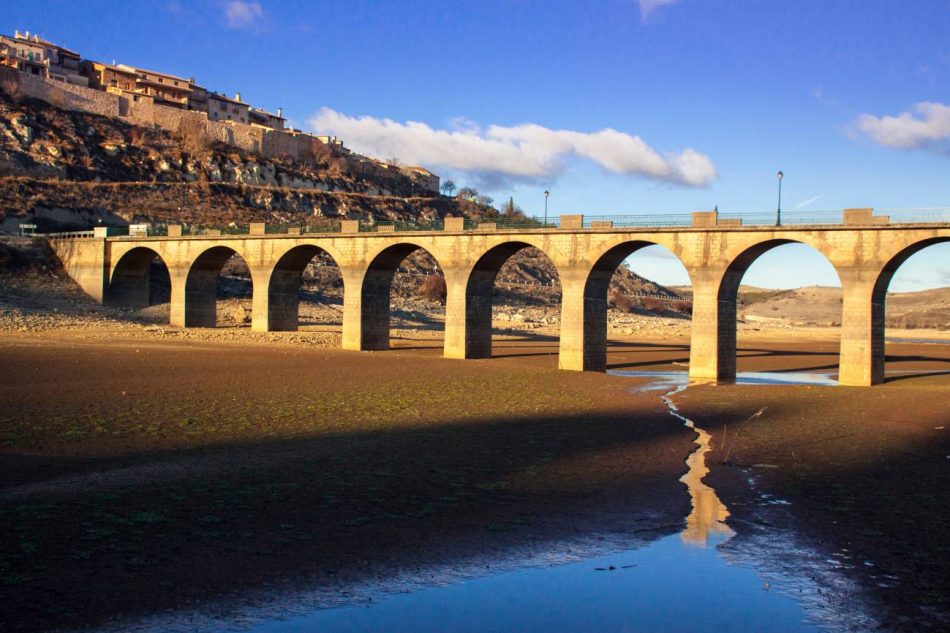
<point>546,194</point>
<point>778,213</point>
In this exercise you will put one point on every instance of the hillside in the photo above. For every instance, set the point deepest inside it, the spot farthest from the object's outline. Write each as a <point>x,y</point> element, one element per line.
<point>67,170</point>
<point>818,305</point>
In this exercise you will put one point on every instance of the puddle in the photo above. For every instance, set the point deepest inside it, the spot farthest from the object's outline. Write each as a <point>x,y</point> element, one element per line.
<point>668,586</point>
<point>929,341</point>
<point>665,380</point>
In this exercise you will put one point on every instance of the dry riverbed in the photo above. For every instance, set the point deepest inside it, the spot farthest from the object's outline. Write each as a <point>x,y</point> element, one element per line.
<point>141,475</point>
<point>147,468</point>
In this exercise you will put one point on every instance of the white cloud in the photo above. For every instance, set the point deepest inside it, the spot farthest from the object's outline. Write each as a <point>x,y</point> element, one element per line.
<point>927,126</point>
<point>526,152</point>
<point>242,15</point>
<point>649,6</point>
<point>805,203</point>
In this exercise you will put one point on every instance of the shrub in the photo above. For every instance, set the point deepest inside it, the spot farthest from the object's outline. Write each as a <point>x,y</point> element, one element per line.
<point>683,307</point>
<point>194,138</point>
<point>138,137</point>
<point>320,153</point>
<point>433,288</point>
<point>10,83</point>
<point>621,301</point>
<point>653,305</point>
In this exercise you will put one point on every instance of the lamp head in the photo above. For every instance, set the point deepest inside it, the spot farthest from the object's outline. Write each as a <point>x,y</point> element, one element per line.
<point>780,175</point>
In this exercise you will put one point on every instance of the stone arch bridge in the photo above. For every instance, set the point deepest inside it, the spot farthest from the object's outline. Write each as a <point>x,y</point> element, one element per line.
<point>865,249</point>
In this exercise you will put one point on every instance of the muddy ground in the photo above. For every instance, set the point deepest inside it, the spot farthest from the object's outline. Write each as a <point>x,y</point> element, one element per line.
<point>145,475</point>
<point>144,472</point>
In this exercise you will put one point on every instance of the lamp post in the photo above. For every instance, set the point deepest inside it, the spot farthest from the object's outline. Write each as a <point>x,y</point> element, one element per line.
<point>778,213</point>
<point>546,194</point>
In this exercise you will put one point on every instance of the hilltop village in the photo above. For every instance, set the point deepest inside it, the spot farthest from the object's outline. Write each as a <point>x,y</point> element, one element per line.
<point>64,78</point>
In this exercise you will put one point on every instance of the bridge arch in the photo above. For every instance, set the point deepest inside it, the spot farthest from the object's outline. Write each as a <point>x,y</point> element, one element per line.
<point>596,301</point>
<point>131,282</point>
<point>727,291</point>
<point>284,284</point>
<point>201,285</point>
<point>375,293</point>
<point>479,284</point>
<point>882,282</point>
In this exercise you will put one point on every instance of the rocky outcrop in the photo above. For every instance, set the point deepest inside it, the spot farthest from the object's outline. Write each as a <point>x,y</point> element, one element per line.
<point>62,168</point>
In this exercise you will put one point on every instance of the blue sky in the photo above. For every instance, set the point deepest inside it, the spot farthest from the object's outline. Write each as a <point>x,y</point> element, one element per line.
<point>618,106</point>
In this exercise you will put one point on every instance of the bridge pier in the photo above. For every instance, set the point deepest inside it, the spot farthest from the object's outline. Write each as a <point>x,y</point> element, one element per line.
<point>583,334</point>
<point>712,349</point>
<point>176,302</point>
<point>468,328</point>
<point>861,360</point>
<point>353,308</point>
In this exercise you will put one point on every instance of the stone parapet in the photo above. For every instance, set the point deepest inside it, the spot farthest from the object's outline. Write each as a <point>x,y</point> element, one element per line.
<point>454,224</point>
<point>573,222</point>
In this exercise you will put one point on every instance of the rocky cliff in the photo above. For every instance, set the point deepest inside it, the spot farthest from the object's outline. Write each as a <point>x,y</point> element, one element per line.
<point>68,170</point>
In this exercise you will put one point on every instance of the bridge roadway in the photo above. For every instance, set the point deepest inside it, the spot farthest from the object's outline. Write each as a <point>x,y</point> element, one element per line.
<point>865,251</point>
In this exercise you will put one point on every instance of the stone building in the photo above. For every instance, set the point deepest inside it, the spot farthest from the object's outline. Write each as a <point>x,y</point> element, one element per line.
<point>223,108</point>
<point>164,89</point>
<point>422,178</point>
<point>259,116</point>
<point>36,56</point>
<point>115,79</point>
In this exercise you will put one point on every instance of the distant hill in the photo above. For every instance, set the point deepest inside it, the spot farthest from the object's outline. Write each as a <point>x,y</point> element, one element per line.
<point>818,305</point>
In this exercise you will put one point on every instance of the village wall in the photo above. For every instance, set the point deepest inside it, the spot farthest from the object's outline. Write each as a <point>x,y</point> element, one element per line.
<point>144,111</point>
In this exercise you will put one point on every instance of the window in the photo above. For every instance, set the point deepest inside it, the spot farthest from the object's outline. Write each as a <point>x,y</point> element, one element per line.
<point>223,106</point>
<point>160,80</point>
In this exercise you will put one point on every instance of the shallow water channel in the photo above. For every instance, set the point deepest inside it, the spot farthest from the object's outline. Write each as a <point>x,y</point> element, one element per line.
<point>682,582</point>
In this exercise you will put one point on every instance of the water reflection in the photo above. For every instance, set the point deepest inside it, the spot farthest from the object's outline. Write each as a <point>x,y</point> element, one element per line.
<point>670,379</point>
<point>708,515</point>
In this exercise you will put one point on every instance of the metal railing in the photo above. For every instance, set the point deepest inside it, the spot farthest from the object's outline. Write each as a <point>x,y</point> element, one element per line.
<point>67,235</point>
<point>916,216</point>
<point>638,221</point>
<point>931,215</point>
<point>789,218</point>
<point>402,225</point>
